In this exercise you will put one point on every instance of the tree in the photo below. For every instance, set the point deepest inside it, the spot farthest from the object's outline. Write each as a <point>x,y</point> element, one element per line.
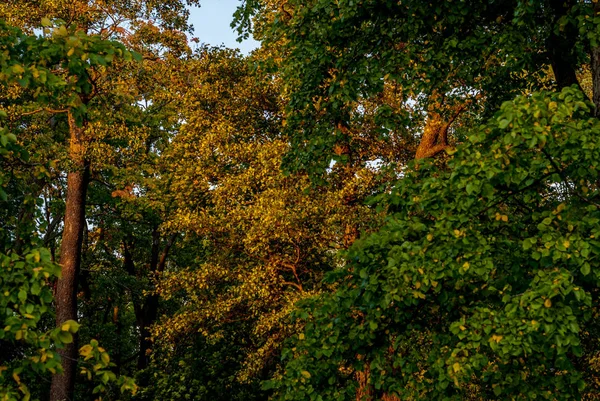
<point>29,350</point>
<point>75,59</point>
<point>253,241</point>
<point>98,90</point>
<point>335,54</point>
<point>453,75</point>
<point>481,282</point>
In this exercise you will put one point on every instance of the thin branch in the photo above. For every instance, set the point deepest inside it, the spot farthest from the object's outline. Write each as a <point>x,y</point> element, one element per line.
<point>48,110</point>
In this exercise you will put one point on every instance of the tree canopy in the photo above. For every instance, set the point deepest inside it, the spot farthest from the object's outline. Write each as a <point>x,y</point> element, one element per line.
<point>386,200</point>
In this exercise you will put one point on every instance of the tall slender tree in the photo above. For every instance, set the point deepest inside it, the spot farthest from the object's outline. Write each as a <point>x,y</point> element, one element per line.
<point>107,20</point>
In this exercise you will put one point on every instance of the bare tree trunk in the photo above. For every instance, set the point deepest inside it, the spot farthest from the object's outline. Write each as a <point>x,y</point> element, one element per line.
<point>434,139</point>
<point>365,389</point>
<point>440,118</point>
<point>70,259</point>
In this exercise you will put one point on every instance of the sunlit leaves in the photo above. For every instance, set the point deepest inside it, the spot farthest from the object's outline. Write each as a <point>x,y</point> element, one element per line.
<point>263,239</point>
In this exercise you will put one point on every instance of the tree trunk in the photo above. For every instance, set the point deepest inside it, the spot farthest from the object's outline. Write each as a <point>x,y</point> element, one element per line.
<point>23,230</point>
<point>433,140</point>
<point>70,259</point>
<point>147,313</point>
<point>560,46</point>
<point>365,389</point>
<point>435,134</point>
<point>595,60</point>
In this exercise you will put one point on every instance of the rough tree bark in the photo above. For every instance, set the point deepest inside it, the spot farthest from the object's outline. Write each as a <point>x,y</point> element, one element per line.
<point>63,385</point>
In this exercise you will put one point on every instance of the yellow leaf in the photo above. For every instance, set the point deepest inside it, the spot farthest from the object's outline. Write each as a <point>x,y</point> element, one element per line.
<point>70,52</point>
<point>61,31</point>
<point>456,367</point>
<point>548,303</point>
<point>504,218</point>
<point>18,69</point>
<point>301,336</point>
<point>430,237</point>
<point>567,243</point>
<point>306,374</point>
<point>66,326</point>
<point>466,266</point>
<point>496,338</point>
<point>86,350</point>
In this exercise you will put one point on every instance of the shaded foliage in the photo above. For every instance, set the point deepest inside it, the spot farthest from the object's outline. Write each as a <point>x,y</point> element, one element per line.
<point>481,282</point>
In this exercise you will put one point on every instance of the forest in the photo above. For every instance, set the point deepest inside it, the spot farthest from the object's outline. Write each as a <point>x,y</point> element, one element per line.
<point>387,200</point>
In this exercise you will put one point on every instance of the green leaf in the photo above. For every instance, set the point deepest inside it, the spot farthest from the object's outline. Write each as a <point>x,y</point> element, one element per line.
<point>65,337</point>
<point>585,269</point>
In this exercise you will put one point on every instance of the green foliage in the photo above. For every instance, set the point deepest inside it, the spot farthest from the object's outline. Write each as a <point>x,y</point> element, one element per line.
<point>25,302</point>
<point>25,297</point>
<point>59,68</point>
<point>481,284</point>
<point>99,369</point>
<point>335,54</point>
<point>7,144</point>
<point>483,278</point>
<point>201,370</point>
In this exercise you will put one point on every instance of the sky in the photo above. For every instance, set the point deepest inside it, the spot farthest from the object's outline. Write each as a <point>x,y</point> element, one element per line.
<point>212,24</point>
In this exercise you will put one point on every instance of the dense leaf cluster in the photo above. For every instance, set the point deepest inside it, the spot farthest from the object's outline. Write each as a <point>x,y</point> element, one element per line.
<point>481,282</point>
